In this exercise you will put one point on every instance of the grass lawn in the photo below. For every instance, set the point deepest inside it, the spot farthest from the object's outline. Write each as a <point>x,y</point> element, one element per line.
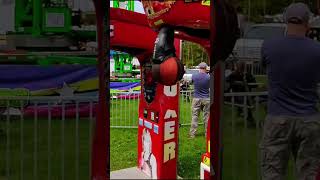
<point>27,150</point>
<point>239,158</point>
<point>123,144</point>
<point>240,146</point>
<point>131,107</point>
<point>123,150</point>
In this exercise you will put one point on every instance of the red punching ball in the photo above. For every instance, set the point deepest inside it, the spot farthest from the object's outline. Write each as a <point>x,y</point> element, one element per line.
<point>169,72</point>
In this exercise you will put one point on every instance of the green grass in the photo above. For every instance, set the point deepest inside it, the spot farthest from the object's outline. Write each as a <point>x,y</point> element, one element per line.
<point>42,149</point>
<point>240,147</point>
<point>123,144</point>
<point>130,116</point>
<point>123,148</point>
<point>239,158</point>
<point>127,118</point>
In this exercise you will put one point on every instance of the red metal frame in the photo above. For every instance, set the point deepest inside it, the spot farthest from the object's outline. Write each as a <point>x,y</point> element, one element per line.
<point>195,15</point>
<point>179,13</point>
<point>186,15</point>
<point>100,155</point>
<point>100,164</point>
<point>140,24</point>
<point>130,34</point>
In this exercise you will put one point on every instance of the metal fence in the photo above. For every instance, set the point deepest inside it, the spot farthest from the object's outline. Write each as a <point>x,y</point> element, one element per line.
<point>242,118</point>
<point>255,68</point>
<point>253,65</point>
<point>124,107</point>
<point>50,137</point>
<point>243,114</point>
<point>46,137</point>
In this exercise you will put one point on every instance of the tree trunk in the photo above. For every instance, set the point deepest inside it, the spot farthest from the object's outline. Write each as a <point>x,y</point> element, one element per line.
<point>188,48</point>
<point>202,55</point>
<point>191,53</point>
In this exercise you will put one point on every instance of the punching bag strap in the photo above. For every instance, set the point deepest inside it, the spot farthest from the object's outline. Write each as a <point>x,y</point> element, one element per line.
<point>164,45</point>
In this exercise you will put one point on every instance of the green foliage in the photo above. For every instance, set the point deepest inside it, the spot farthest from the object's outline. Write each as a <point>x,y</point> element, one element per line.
<point>256,9</point>
<point>193,54</point>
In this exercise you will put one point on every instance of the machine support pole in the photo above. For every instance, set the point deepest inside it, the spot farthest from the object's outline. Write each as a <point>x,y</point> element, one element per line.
<point>216,95</point>
<point>318,7</point>
<point>100,164</point>
<point>216,110</point>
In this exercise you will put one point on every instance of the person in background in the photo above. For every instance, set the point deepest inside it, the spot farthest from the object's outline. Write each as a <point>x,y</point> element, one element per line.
<point>292,124</point>
<point>201,98</point>
<point>228,71</point>
<point>239,81</point>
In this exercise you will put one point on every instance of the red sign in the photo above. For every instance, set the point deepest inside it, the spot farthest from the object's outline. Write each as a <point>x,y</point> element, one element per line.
<point>195,15</point>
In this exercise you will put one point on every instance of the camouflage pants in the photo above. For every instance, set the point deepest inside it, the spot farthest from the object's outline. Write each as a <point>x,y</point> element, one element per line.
<point>199,104</point>
<point>284,135</point>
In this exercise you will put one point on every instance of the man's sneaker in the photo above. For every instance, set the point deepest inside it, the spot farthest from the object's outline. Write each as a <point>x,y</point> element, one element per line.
<point>191,137</point>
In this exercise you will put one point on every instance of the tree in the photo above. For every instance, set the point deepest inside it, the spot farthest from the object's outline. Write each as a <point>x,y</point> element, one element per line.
<point>256,9</point>
<point>193,54</point>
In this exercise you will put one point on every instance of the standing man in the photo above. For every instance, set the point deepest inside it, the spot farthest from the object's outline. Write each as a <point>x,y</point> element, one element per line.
<point>201,98</point>
<point>293,123</point>
<point>239,82</point>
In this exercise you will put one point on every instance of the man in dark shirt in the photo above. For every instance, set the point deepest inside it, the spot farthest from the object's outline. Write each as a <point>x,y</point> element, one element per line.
<point>239,82</point>
<point>201,98</point>
<point>293,123</point>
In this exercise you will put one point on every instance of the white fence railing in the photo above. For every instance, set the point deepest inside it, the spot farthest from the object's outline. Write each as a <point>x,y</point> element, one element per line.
<point>50,137</point>
<point>243,114</point>
<point>46,137</point>
<point>255,68</point>
<point>124,108</point>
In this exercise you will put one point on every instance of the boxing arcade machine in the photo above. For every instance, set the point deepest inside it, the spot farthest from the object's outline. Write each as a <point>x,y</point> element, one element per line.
<point>139,41</point>
<point>158,118</point>
<point>158,110</point>
<point>159,102</point>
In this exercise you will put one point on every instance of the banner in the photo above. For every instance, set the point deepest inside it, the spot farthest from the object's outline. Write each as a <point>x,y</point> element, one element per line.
<point>46,80</point>
<point>123,85</point>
